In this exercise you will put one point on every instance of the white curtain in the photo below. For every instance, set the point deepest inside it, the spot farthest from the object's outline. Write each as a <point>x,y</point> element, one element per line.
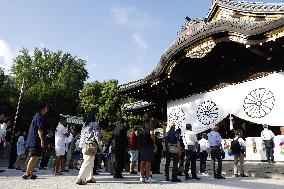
<point>257,101</point>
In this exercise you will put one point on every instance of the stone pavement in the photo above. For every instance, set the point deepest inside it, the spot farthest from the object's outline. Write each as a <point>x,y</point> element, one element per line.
<point>11,179</point>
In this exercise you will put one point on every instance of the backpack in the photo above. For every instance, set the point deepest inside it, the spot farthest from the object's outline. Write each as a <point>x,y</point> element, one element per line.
<point>236,147</point>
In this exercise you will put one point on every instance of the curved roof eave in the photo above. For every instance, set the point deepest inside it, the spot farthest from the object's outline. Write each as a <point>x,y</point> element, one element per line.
<point>201,30</point>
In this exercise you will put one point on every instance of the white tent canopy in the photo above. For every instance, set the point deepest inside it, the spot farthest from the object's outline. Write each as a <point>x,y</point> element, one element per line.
<point>260,101</point>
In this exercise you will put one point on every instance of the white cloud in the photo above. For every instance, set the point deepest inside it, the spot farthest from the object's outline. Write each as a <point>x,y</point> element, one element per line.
<point>139,41</point>
<point>6,55</point>
<point>42,45</point>
<point>129,16</point>
<point>136,72</point>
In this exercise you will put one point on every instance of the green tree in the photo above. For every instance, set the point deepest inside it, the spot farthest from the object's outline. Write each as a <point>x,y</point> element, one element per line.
<point>8,93</point>
<point>53,77</point>
<point>109,104</point>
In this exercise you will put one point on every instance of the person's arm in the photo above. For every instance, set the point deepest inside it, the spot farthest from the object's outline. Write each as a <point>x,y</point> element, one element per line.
<point>40,134</point>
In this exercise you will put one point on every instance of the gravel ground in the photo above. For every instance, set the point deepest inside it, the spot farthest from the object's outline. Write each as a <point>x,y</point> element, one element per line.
<point>12,179</point>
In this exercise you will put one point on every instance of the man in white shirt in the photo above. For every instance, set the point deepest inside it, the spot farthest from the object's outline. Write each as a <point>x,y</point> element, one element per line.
<point>267,137</point>
<point>190,143</point>
<point>60,136</point>
<point>204,149</point>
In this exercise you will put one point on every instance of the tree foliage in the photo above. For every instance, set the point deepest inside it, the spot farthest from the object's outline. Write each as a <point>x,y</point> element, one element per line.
<point>8,93</point>
<point>52,77</point>
<point>104,98</point>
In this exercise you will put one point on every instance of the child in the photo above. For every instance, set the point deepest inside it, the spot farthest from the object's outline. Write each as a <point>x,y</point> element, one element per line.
<point>21,149</point>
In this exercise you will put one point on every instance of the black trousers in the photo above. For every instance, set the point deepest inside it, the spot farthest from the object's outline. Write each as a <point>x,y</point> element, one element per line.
<point>216,156</point>
<point>13,155</point>
<point>119,162</point>
<point>269,148</point>
<point>44,160</point>
<point>181,162</point>
<point>169,157</point>
<point>95,168</point>
<point>202,158</point>
<point>157,162</point>
<point>191,157</point>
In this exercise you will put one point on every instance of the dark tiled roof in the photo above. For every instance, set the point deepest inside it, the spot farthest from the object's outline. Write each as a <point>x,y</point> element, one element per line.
<point>200,30</point>
<point>251,7</point>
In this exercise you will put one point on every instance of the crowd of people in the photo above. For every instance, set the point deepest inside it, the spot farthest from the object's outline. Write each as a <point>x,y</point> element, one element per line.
<point>138,148</point>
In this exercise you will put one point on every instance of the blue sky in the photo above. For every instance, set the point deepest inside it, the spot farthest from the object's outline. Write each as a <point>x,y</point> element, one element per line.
<point>119,39</point>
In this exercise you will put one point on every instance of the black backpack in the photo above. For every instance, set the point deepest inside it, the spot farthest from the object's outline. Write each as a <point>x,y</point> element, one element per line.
<point>236,147</point>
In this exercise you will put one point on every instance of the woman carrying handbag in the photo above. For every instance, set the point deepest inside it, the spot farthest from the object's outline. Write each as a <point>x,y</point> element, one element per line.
<point>89,142</point>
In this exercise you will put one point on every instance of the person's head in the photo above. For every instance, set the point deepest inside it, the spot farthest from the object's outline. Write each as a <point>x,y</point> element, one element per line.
<point>172,125</point>
<point>265,126</point>
<point>42,108</point>
<point>188,127</point>
<point>23,132</point>
<point>204,135</point>
<point>2,115</point>
<point>8,121</point>
<point>215,128</point>
<point>90,117</point>
<point>239,133</point>
<point>146,118</point>
<point>63,120</point>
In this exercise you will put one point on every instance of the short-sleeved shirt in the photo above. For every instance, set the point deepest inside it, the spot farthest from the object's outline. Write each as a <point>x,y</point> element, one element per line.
<point>214,139</point>
<point>33,137</point>
<point>173,136</point>
<point>60,136</point>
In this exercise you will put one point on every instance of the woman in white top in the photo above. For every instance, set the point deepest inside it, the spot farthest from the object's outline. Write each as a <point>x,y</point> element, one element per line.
<point>60,134</point>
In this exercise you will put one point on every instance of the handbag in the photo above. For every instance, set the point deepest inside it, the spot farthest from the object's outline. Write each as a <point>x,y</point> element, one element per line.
<point>173,149</point>
<point>90,148</point>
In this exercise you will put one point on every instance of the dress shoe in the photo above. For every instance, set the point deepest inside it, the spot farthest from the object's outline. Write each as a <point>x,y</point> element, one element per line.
<point>219,177</point>
<point>195,177</point>
<point>243,175</point>
<point>187,177</point>
<point>175,180</point>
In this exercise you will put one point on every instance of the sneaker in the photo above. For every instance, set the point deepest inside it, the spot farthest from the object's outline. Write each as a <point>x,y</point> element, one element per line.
<point>150,180</point>
<point>18,168</point>
<point>167,179</point>
<point>25,176</point>
<point>142,179</point>
<point>175,180</point>
<point>80,182</point>
<point>243,175</point>
<point>33,177</point>
<point>91,181</point>
<point>236,175</point>
<point>11,167</point>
